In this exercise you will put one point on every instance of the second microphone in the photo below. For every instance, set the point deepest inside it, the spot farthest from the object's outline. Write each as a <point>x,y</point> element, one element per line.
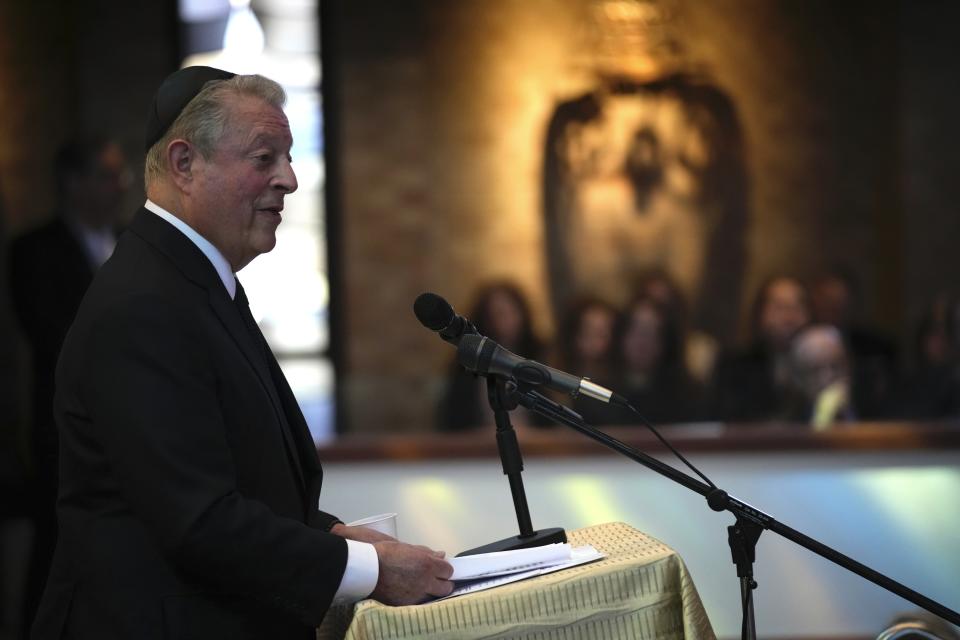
<point>484,356</point>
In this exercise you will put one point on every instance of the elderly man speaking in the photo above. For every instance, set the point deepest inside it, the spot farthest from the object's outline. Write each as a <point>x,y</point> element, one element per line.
<point>189,485</point>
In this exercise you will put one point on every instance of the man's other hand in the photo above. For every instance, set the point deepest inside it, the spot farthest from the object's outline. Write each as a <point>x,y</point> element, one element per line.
<point>360,534</point>
<point>410,574</point>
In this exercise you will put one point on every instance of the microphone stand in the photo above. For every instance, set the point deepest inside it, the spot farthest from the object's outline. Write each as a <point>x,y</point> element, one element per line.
<point>750,522</point>
<point>503,397</point>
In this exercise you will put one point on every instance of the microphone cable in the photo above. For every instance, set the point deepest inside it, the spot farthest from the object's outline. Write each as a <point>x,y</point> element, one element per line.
<point>669,446</point>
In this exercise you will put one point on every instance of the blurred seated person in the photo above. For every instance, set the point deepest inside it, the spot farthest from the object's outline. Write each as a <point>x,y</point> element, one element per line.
<point>650,370</point>
<point>585,348</point>
<point>835,300</point>
<point>700,349</point>
<point>752,384</point>
<point>501,312</point>
<point>50,270</point>
<point>932,390</point>
<point>819,378</point>
<point>586,337</point>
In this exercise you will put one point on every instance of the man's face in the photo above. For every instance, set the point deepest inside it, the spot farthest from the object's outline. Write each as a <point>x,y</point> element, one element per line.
<point>643,341</point>
<point>784,312</point>
<point>820,359</point>
<point>96,195</point>
<point>596,334</point>
<point>239,189</point>
<point>831,301</point>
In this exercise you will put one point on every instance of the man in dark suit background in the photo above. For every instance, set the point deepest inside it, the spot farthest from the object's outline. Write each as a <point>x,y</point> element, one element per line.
<point>189,486</point>
<point>50,270</point>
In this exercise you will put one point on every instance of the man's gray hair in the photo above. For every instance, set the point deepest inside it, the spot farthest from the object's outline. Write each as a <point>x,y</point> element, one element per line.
<point>204,119</point>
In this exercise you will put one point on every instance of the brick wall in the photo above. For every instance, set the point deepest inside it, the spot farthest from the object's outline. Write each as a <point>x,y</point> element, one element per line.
<point>444,109</point>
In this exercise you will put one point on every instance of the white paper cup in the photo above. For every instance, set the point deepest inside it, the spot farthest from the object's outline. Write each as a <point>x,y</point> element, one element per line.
<point>384,523</point>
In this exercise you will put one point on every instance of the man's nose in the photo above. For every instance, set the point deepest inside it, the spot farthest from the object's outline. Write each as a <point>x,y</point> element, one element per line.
<point>286,179</point>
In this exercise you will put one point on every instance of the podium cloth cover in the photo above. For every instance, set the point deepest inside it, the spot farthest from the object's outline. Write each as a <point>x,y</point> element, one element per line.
<point>642,589</point>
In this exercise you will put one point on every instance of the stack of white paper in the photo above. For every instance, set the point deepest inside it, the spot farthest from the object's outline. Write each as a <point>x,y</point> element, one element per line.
<point>500,563</point>
<point>488,570</point>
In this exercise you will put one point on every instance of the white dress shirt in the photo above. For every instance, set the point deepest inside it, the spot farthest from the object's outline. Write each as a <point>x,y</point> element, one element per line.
<point>363,565</point>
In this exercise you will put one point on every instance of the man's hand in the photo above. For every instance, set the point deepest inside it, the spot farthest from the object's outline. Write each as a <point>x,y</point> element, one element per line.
<point>360,534</point>
<point>409,574</point>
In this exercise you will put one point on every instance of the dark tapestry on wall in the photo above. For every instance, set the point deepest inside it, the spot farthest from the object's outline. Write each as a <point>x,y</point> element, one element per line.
<point>648,176</point>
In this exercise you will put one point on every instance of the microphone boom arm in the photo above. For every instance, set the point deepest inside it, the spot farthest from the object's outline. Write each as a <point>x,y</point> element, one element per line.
<point>750,520</point>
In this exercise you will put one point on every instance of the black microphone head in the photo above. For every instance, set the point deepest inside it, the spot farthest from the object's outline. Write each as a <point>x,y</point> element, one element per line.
<point>432,311</point>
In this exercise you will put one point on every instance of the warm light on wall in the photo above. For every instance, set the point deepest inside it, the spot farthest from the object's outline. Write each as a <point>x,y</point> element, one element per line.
<point>632,38</point>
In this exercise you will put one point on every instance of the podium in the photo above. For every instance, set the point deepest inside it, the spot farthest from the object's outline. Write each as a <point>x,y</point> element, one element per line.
<point>642,589</point>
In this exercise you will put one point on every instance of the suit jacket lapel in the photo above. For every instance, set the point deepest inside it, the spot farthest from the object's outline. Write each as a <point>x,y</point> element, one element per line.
<point>257,355</point>
<point>301,433</point>
<point>298,426</point>
<point>195,266</point>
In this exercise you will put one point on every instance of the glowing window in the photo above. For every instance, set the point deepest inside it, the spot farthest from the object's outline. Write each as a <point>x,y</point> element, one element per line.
<point>288,287</point>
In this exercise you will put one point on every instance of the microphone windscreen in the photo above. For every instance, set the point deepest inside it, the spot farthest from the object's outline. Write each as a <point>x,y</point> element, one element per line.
<point>432,311</point>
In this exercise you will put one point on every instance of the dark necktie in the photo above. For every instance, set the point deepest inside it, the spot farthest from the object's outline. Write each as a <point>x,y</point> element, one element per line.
<point>243,305</point>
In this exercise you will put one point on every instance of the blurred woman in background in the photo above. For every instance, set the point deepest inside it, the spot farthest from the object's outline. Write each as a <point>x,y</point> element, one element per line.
<point>586,340</point>
<point>650,367</point>
<point>700,349</point>
<point>502,313</point>
<point>753,384</point>
<point>586,348</point>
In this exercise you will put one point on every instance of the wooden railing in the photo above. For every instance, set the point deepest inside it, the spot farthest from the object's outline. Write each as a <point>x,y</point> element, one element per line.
<point>703,438</point>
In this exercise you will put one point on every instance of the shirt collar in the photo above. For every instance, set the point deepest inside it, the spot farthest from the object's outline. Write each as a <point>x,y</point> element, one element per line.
<point>213,254</point>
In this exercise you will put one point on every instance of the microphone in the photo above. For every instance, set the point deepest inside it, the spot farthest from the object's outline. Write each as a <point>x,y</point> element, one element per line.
<point>484,356</point>
<point>436,314</point>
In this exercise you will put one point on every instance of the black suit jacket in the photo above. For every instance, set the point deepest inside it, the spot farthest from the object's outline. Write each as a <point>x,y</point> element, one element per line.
<point>188,479</point>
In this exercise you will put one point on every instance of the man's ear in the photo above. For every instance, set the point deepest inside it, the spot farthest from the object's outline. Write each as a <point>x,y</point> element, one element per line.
<point>181,158</point>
